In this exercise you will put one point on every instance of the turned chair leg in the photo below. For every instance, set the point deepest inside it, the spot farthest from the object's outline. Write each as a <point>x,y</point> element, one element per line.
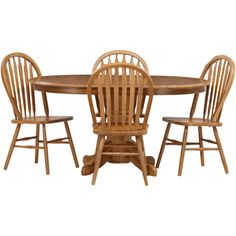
<point>201,145</point>
<point>163,145</point>
<point>45,145</point>
<point>13,142</point>
<point>142,143</point>
<point>181,161</point>
<point>98,156</point>
<point>36,157</point>
<point>142,159</point>
<point>71,144</point>
<point>220,150</point>
<point>104,159</point>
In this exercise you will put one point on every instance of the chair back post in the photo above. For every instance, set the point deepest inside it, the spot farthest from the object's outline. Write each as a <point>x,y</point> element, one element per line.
<point>220,74</point>
<point>17,69</point>
<point>121,86</point>
<point>194,105</point>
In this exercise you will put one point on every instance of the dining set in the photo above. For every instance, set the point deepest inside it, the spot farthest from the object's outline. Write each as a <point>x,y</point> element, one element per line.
<point>120,94</point>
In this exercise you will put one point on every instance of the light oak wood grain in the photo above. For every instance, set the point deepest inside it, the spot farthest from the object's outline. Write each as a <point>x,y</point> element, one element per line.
<point>17,71</point>
<point>78,84</point>
<point>120,56</point>
<point>122,86</point>
<point>219,73</point>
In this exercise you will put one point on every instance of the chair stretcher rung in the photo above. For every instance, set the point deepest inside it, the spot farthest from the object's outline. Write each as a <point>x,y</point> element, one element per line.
<point>55,141</point>
<point>28,146</point>
<point>173,142</point>
<point>58,142</point>
<point>201,149</point>
<point>209,141</point>
<point>120,153</point>
<point>176,142</point>
<point>120,145</point>
<point>26,138</point>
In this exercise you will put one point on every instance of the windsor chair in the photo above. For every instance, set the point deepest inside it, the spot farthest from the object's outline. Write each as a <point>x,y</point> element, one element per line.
<point>121,86</point>
<point>120,56</point>
<point>220,74</point>
<point>17,70</point>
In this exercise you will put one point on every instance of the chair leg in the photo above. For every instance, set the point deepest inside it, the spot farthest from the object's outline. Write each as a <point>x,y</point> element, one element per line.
<point>220,150</point>
<point>143,163</point>
<point>181,161</point>
<point>142,143</point>
<point>71,144</point>
<point>97,143</point>
<point>98,158</point>
<point>142,105</point>
<point>13,142</point>
<point>36,157</point>
<point>163,145</point>
<point>45,145</point>
<point>201,145</point>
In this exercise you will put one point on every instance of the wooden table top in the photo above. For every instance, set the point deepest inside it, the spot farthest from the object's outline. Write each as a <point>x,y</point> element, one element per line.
<point>77,84</point>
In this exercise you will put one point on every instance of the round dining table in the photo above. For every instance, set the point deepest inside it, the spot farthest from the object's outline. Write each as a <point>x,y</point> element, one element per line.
<point>163,85</point>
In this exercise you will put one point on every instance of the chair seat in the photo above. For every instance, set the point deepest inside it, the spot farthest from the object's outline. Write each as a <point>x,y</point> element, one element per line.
<point>191,121</point>
<point>119,130</point>
<point>42,119</point>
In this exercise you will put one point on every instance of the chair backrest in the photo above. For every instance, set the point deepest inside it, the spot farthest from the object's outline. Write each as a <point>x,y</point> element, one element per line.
<point>220,74</point>
<point>121,86</point>
<point>117,56</point>
<point>17,70</point>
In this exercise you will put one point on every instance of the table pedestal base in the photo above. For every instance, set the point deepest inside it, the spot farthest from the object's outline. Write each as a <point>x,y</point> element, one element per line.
<point>109,146</point>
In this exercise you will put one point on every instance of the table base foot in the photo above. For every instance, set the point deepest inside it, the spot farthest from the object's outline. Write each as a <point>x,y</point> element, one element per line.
<point>89,161</point>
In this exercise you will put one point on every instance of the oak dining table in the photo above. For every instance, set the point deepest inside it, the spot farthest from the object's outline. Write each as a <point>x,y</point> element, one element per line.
<point>77,84</point>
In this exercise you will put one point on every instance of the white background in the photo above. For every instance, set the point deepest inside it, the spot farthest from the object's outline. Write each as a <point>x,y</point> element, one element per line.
<point>66,37</point>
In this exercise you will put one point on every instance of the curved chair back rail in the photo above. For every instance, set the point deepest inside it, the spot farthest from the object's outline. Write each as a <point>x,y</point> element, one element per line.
<point>17,70</point>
